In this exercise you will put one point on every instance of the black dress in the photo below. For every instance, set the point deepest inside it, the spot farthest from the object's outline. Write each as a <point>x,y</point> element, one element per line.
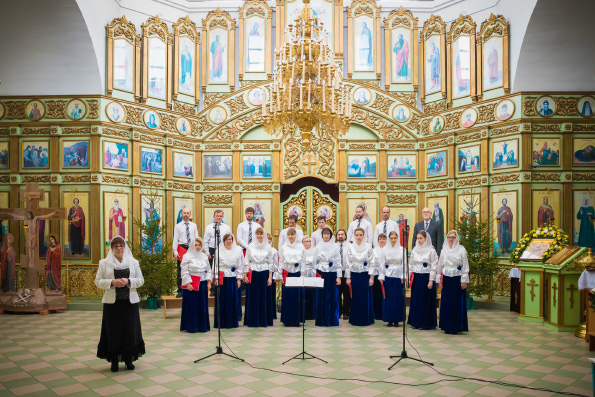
<point>121,335</point>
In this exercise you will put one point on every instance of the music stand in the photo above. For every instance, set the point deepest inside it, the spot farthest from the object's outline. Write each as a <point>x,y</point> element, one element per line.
<point>304,282</point>
<point>218,348</point>
<point>404,354</point>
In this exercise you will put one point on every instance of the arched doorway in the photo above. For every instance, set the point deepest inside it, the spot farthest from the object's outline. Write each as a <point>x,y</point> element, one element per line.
<point>308,198</point>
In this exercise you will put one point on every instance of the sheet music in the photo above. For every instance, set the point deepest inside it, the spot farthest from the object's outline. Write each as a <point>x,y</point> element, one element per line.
<point>308,282</point>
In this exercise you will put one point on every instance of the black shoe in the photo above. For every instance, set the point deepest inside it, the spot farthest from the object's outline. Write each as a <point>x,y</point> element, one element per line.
<point>115,367</point>
<point>396,325</point>
<point>345,317</point>
<point>130,366</point>
<point>389,324</point>
<point>179,295</point>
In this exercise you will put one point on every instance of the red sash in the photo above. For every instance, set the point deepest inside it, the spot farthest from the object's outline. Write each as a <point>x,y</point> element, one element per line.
<point>221,277</point>
<point>249,276</point>
<point>285,273</point>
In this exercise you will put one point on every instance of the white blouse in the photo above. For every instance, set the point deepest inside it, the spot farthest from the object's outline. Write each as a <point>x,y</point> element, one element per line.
<point>392,265</point>
<point>430,259</point>
<point>292,259</point>
<point>196,266</point>
<point>309,269</point>
<point>328,258</point>
<point>378,260</point>
<point>359,262</point>
<point>231,262</point>
<point>258,259</point>
<point>451,264</point>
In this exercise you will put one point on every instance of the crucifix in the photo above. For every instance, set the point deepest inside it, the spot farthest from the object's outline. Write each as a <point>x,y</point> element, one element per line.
<point>532,285</point>
<point>309,161</point>
<point>555,288</point>
<point>572,288</point>
<point>32,214</point>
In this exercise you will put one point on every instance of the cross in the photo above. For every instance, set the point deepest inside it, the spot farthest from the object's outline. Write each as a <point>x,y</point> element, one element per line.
<point>309,161</point>
<point>31,214</point>
<point>555,288</point>
<point>572,288</point>
<point>532,285</point>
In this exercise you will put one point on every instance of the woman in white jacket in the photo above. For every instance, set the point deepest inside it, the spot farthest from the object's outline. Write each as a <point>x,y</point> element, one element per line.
<point>260,265</point>
<point>359,272</point>
<point>119,275</point>
<point>195,302</point>
<point>424,260</point>
<point>229,280</point>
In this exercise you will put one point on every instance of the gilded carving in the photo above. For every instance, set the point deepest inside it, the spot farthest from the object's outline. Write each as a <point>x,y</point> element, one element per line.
<point>365,9</point>
<point>401,198</point>
<point>151,183</point>
<point>361,187</point>
<point>195,130</point>
<point>4,131</point>
<point>506,178</point>
<point>435,107</point>
<point>219,23</point>
<point>382,128</point>
<point>408,98</point>
<point>257,188</point>
<point>219,146</point>
<point>301,202</point>
<point>236,104</point>
<point>189,110</point>
<point>257,146</point>
<point>93,109</point>
<point>36,179</point>
<point>506,130</point>
<point>527,175</point>
<point>182,186</point>
<point>470,137</point>
<point>115,179</point>
<point>546,127</point>
<point>401,145</point>
<point>401,187</point>
<point>76,131</point>
<point>76,178</point>
<point>583,127</point>
<point>15,110</point>
<point>583,177</point>
<point>528,106</point>
<point>185,145</point>
<point>361,146</point>
<point>441,142</point>
<point>437,185</point>
<point>404,17</point>
<point>255,10</point>
<point>4,179</point>
<point>151,139</point>
<point>425,127</point>
<point>211,98</point>
<point>382,103</point>
<point>203,125</point>
<point>235,129</point>
<point>168,122</point>
<point>36,131</point>
<point>468,182</point>
<point>545,177</point>
<point>134,115</point>
<point>567,106</point>
<point>218,199</point>
<point>56,109</point>
<point>218,188</point>
<point>434,24</point>
<point>452,121</point>
<point>485,113</point>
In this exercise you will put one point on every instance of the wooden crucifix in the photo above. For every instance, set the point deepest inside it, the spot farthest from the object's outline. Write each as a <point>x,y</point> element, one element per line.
<point>32,214</point>
<point>555,288</point>
<point>532,284</point>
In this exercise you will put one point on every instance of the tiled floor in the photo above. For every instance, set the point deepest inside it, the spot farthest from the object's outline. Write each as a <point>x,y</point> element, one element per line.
<point>55,355</point>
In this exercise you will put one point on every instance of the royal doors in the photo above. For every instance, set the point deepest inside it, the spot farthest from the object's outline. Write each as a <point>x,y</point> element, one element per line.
<point>307,204</point>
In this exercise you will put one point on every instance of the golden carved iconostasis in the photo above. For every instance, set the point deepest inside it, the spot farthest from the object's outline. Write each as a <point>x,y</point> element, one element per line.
<point>474,141</point>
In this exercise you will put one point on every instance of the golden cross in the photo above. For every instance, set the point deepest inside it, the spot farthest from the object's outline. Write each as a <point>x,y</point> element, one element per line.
<point>532,285</point>
<point>555,288</point>
<point>309,161</point>
<point>572,288</point>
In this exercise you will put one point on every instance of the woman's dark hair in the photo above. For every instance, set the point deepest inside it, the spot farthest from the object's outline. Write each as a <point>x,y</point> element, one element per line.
<point>117,240</point>
<point>228,235</point>
<point>423,233</point>
<point>327,230</point>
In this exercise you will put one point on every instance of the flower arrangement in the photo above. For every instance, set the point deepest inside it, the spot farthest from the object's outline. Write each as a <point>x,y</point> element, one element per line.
<point>549,231</point>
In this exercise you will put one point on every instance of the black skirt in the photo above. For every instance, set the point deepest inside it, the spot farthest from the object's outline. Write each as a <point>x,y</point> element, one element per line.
<point>121,335</point>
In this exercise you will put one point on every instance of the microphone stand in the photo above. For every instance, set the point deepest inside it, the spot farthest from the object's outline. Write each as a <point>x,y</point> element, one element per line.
<point>404,354</point>
<point>218,348</point>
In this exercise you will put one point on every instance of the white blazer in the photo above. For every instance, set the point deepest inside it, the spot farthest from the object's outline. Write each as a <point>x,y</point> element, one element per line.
<point>105,275</point>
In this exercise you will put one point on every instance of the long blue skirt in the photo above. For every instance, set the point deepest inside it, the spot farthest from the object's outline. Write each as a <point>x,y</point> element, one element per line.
<point>392,310</point>
<point>311,303</point>
<point>422,309</point>
<point>377,295</point>
<point>228,293</point>
<point>292,312</point>
<point>195,310</point>
<point>272,297</point>
<point>327,301</point>
<point>362,305</point>
<point>257,304</point>
<point>453,306</point>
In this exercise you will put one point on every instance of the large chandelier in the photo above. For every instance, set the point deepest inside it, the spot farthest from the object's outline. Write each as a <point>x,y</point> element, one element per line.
<point>307,91</point>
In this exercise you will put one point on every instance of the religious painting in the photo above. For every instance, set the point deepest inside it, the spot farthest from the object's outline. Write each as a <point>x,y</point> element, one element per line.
<point>75,230</point>
<point>151,160</point>
<point>4,203</point>
<point>535,250</point>
<point>432,59</point>
<point>181,203</point>
<point>218,115</point>
<point>439,207</point>
<point>546,151</point>
<point>468,117</point>
<point>584,152</point>
<point>504,110</point>
<point>123,59</point>
<point>183,165</point>
<point>208,218</point>
<point>401,55</point>
<point>493,63</point>
<point>545,106</point>
<point>218,53</point>
<point>322,10</point>
<point>217,167</point>
<point>116,211</point>
<point>505,154</point>
<point>361,165</point>
<point>584,105</point>
<point>461,67</point>
<point>436,163</point>
<point>504,212</point>
<point>262,211</point>
<point>256,166</point>
<point>76,109</point>
<point>326,211</point>
<point>152,210</point>
<point>75,154</point>
<point>183,126</point>
<point>402,166</point>
<point>35,154</point>
<point>256,96</point>
<point>584,231</point>
<point>294,210</point>
<point>186,66</point>
<point>255,44</point>
<point>157,58</point>
<point>406,218</point>
<point>362,96</point>
<point>468,159</point>
<point>401,113</point>
<point>115,155</point>
<point>4,155</point>
<point>545,208</point>
<point>468,208</point>
<point>370,206</point>
<point>436,124</point>
<point>363,43</point>
<point>35,110</point>
<point>115,112</point>
<point>151,119</point>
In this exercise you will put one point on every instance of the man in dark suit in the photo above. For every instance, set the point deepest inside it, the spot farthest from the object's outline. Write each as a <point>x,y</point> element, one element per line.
<point>433,228</point>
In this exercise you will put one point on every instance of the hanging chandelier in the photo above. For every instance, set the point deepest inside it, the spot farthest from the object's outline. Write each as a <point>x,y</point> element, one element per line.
<point>307,91</point>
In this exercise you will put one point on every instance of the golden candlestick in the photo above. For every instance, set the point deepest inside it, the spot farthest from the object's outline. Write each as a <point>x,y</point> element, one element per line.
<point>67,283</point>
<point>588,263</point>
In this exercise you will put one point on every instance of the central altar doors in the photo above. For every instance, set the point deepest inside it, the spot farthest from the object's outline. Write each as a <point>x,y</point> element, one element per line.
<point>307,204</point>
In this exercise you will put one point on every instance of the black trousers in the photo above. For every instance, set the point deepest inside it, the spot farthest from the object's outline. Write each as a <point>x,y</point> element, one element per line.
<point>179,277</point>
<point>344,298</point>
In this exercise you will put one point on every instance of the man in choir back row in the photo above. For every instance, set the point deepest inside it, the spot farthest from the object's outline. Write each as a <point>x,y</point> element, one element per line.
<point>210,240</point>
<point>317,235</point>
<point>360,222</point>
<point>433,228</point>
<point>185,233</point>
<point>344,293</point>
<point>386,226</point>
<point>299,234</point>
<point>247,230</point>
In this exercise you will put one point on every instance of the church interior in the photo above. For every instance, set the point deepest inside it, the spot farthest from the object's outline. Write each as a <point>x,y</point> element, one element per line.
<point>117,116</point>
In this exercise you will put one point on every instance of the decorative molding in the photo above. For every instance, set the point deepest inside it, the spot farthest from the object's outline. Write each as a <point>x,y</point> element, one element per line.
<point>409,98</point>
<point>506,178</point>
<point>470,137</point>
<point>76,178</point>
<point>36,179</point>
<point>401,198</point>
<point>257,146</point>
<point>257,188</point>
<point>583,127</point>
<point>115,179</point>
<point>452,121</point>
<point>15,110</point>
<point>435,107</point>
<point>413,124</point>
<point>4,178</point>
<point>184,145</point>
<point>401,145</point>
<point>567,106</point>
<point>236,104</point>
<point>468,182</point>
<point>168,122</point>
<point>218,188</point>
<point>382,103</point>
<point>362,146</point>
<point>134,115</point>
<point>151,183</point>
<point>361,187</point>
<point>486,113</point>
<point>56,109</point>
<point>437,185</point>
<point>381,127</point>
<point>583,177</point>
<point>400,187</point>
<point>181,186</point>
<point>506,130</point>
<point>546,127</point>
<point>442,142</point>
<point>36,131</point>
<point>218,146</point>
<point>211,98</point>
<point>425,127</point>
<point>76,131</point>
<point>218,199</point>
<point>528,106</point>
<point>188,110</point>
<point>93,109</point>
<point>545,177</point>
<point>151,139</point>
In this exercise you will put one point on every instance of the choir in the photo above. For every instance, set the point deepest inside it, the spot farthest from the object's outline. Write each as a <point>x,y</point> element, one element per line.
<point>363,279</point>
